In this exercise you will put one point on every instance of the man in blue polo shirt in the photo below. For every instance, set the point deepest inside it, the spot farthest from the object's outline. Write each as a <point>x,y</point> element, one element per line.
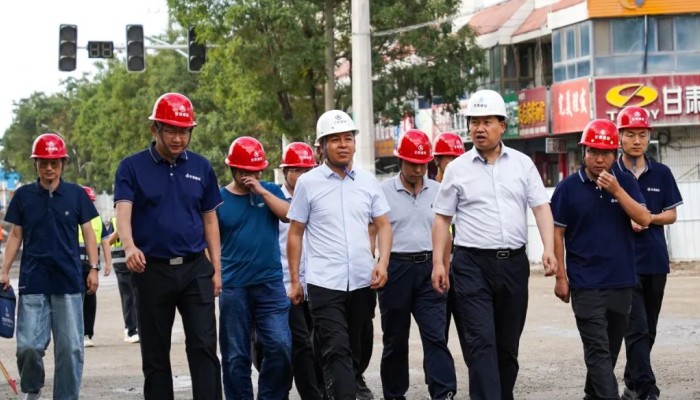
<point>254,297</point>
<point>332,205</point>
<point>662,197</point>
<point>409,289</point>
<point>166,198</point>
<point>592,210</point>
<point>51,286</point>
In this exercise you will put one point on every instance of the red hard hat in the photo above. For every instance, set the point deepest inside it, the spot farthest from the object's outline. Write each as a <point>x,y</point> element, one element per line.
<point>174,109</point>
<point>600,134</point>
<point>448,144</point>
<point>90,193</point>
<point>633,117</point>
<point>49,145</point>
<point>247,153</point>
<point>414,146</point>
<point>298,154</point>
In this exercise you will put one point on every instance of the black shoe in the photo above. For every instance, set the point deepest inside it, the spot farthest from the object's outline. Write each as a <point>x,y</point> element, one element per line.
<point>362,392</point>
<point>652,396</point>
<point>629,395</point>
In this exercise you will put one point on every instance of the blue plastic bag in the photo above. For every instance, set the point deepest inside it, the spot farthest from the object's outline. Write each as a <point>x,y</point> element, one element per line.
<point>7,313</point>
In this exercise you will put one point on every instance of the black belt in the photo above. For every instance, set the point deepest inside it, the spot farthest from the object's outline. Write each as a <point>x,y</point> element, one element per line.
<point>416,258</point>
<point>175,260</point>
<point>500,254</point>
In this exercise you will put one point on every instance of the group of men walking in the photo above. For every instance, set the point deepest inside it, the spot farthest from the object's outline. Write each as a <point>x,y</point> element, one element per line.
<point>297,276</point>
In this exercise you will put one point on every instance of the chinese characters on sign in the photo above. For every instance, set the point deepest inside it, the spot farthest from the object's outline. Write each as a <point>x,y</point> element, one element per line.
<point>670,100</point>
<point>570,106</point>
<point>532,112</point>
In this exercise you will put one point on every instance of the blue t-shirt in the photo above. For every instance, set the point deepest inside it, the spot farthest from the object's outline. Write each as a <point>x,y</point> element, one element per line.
<point>167,201</point>
<point>250,252</point>
<point>661,193</point>
<point>50,257</point>
<point>599,239</point>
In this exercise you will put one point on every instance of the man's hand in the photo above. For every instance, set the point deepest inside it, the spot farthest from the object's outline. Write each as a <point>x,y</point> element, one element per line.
<point>135,260</point>
<point>561,289</point>
<point>296,293</point>
<point>607,181</point>
<point>108,269</point>
<point>5,281</point>
<point>379,277</point>
<point>253,184</point>
<point>441,283</point>
<point>93,281</point>
<point>216,283</point>
<point>638,228</point>
<point>549,261</point>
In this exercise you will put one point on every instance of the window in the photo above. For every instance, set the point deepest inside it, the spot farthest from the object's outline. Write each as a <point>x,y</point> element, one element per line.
<point>664,34</point>
<point>556,46</point>
<point>585,40</point>
<point>571,52</point>
<point>570,43</point>
<point>627,35</point>
<point>687,28</point>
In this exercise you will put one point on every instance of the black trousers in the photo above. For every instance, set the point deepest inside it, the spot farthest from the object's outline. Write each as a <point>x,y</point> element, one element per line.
<point>306,372</point>
<point>409,291</point>
<point>601,317</point>
<point>450,312</point>
<point>127,294</point>
<point>641,333</point>
<point>89,306</point>
<point>161,289</point>
<point>491,307</point>
<point>340,320</point>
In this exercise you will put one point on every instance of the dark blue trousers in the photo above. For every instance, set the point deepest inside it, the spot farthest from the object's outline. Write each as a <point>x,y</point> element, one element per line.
<point>641,334</point>
<point>409,291</point>
<point>492,296</point>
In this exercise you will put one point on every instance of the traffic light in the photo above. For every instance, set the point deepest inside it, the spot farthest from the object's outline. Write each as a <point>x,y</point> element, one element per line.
<point>135,50</point>
<point>196,52</point>
<point>67,47</point>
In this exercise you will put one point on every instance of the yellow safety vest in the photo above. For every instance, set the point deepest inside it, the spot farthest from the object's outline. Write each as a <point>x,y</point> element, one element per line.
<point>96,227</point>
<point>118,242</point>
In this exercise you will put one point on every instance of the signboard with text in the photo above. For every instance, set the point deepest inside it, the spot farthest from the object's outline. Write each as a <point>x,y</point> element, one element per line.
<point>532,112</point>
<point>670,100</point>
<point>629,8</point>
<point>571,106</point>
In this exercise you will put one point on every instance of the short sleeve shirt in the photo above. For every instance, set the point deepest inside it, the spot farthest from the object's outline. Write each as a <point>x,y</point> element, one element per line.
<point>337,212</point>
<point>411,216</point>
<point>167,201</point>
<point>50,261</point>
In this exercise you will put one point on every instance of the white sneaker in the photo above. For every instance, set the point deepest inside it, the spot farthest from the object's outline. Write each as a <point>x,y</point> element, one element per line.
<point>87,342</point>
<point>126,334</point>
<point>32,396</point>
<point>132,339</point>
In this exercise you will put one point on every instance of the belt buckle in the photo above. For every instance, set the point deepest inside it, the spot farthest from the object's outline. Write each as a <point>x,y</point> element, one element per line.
<point>420,258</point>
<point>176,261</point>
<point>502,254</point>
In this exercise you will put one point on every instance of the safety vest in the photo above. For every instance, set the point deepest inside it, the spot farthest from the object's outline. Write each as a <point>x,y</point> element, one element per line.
<point>96,227</point>
<point>118,254</point>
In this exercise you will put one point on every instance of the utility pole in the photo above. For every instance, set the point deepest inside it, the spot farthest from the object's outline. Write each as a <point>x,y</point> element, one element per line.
<point>362,107</point>
<point>329,93</point>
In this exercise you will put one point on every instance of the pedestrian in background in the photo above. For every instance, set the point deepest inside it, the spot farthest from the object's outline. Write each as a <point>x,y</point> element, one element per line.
<point>487,190</point>
<point>332,205</point>
<point>409,290</point>
<point>253,297</point>
<point>90,300</point>
<point>166,197</point>
<point>592,211</point>
<point>44,216</point>
<point>127,292</point>
<point>661,197</point>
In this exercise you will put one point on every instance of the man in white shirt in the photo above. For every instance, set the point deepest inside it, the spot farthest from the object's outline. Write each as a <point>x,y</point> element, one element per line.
<point>487,190</point>
<point>331,206</point>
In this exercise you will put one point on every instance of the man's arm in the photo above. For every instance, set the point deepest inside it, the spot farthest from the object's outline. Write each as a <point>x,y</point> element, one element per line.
<point>637,212</point>
<point>135,260</point>
<point>545,224</point>
<point>93,258</point>
<point>107,255</point>
<point>561,286</point>
<point>441,258</point>
<point>14,240</point>
<point>384,236</point>
<point>294,243</point>
<point>667,217</point>
<point>213,238</point>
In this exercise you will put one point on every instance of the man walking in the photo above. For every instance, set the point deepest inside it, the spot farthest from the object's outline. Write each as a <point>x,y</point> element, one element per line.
<point>166,197</point>
<point>487,190</point>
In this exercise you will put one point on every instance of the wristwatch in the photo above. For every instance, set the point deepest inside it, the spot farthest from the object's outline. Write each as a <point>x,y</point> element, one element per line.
<point>95,266</point>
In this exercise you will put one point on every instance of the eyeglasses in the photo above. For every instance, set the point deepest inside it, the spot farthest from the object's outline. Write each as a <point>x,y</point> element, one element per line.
<point>599,153</point>
<point>45,163</point>
<point>175,130</point>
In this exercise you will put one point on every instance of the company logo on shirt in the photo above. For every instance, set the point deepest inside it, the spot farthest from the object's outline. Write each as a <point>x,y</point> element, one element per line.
<point>614,201</point>
<point>651,189</point>
<point>196,178</point>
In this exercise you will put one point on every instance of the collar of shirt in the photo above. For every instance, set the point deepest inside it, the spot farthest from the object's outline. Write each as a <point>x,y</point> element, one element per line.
<point>474,155</point>
<point>59,189</point>
<point>398,184</point>
<point>328,172</point>
<point>158,158</point>
<point>584,178</point>
<point>623,167</point>
<point>287,196</point>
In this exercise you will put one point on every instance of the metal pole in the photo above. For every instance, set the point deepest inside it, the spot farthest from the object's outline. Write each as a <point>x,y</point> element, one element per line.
<point>362,85</point>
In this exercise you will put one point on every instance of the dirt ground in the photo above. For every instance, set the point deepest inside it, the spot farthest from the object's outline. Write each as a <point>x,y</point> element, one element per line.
<point>551,359</point>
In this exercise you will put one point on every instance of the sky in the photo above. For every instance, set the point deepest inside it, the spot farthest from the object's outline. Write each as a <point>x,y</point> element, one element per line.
<point>29,31</point>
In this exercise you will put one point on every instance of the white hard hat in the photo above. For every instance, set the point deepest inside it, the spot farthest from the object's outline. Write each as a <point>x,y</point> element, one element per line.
<point>334,121</point>
<point>486,102</point>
